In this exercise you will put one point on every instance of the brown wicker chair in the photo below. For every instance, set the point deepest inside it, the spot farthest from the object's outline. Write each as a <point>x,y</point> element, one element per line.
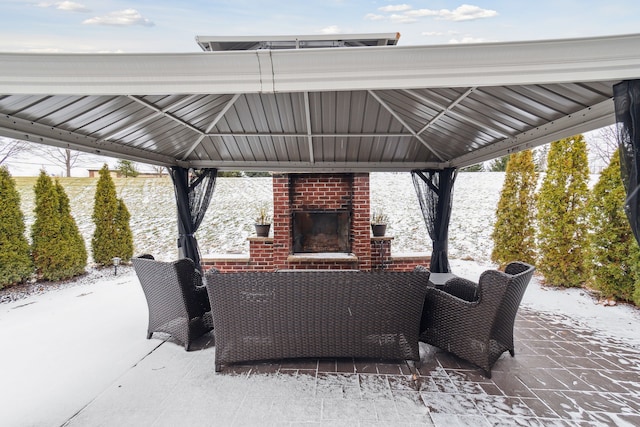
<point>177,300</point>
<point>475,321</point>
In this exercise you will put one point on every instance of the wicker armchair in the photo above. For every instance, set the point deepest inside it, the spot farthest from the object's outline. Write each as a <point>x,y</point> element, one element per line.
<point>475,321</point>
<point>178,301</point>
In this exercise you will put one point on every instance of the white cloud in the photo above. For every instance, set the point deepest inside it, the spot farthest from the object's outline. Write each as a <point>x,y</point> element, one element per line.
<point>466,12</point>
<point>68,6</point>
<point>395,8</point>
<point>405,14</point>
<point>72,6</point>
<point>422,12</point>
<point>374,17</point>
<point>332,29</point>
<point>402,19</point>
<point>125,17</point>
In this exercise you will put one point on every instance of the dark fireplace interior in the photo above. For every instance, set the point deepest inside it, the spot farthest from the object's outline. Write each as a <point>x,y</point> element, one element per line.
<point>321,231</point>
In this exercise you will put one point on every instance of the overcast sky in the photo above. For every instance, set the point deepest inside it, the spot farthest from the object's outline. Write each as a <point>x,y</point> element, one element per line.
<point>163,26</point>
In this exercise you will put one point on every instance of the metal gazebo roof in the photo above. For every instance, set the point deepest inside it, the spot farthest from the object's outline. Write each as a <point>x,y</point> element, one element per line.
<point>218,43</point>
<point>369,106</point>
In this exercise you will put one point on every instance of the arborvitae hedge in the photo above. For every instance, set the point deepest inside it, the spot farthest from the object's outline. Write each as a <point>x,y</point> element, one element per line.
<point>75,249</point>
<point>124,235</point>
<point>112,236</point>
<point>514,232</point>
<point>15,260</point>
<point>57,247</point>
<point>562,226</point>
<point>614,250</point>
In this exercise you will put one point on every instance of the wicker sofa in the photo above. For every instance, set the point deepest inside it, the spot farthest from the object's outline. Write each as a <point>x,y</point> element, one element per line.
<point>278,315</point>
<point>475,321</point>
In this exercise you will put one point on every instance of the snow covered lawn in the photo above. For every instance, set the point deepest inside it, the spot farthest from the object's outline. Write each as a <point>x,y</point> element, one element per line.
<point>64,348</point>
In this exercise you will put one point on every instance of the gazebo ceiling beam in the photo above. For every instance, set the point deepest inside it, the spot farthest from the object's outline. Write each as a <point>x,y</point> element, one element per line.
<point>307,135</point>
<point>154,114</point>
<point>214,122</point>
<point>590,118</point>
<point>447,110</point>
<point>27,130</point>
<point>405,124</point>
<point>323,167</point>
<point>166,114</point>
<point>307,116</point>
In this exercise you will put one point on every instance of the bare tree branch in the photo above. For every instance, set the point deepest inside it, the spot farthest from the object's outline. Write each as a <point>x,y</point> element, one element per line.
<point>11,147</point>
<point>603,144</point>
<point>159,170</point>
<point>65,157</point>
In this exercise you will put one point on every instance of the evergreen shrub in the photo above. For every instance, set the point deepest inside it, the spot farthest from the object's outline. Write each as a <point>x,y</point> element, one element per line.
<point>561,214</point>
<point>514,232</point>
<point>15,259</point>
<point>57,246</point>
<point>614,250</point>
<point>112,236</point>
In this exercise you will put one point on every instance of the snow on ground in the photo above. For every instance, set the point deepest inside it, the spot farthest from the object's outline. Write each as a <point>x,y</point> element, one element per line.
<point>68,346</point>
<point>229,222</point>
<point>62,348</point>
<point>65,346</point>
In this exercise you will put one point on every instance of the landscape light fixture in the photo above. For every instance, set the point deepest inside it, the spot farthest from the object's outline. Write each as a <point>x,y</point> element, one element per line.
<point>116,263</point>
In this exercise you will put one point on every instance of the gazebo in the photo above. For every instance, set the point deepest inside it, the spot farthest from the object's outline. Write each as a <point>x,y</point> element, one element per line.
<point>352,103</point>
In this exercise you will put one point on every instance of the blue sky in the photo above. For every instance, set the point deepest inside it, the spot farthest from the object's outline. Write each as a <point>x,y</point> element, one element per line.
<point>164,26</point>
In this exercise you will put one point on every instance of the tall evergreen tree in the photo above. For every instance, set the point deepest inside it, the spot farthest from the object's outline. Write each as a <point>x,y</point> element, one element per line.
<point>15,259</point>
<point>123,231</point>
<point>74,246</point>
<point>58,250</point>
<point>45,231</point>
<point>562,226</point>
<point>614,250</point>
<point>112,236</point>
<point>514,232</point>
<point>499,164</point>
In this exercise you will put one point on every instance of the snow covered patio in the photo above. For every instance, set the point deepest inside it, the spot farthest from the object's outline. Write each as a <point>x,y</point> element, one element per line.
<point>78,356</point>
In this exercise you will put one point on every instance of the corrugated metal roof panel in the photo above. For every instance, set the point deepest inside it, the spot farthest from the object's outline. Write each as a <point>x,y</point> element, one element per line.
<point>415,107</point>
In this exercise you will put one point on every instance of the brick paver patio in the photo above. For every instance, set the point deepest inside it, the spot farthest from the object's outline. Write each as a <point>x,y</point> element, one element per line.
<point>562,375</point>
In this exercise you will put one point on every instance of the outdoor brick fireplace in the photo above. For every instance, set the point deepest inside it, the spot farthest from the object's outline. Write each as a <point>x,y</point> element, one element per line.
<point>320,221</point>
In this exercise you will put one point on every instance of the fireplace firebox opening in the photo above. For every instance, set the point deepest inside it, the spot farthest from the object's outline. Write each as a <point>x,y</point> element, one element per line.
<point>321,231</point>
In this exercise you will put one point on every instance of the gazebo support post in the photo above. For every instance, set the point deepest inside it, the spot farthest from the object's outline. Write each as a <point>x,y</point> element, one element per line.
<point>193,191</point>
<point>434,189</point>
<point>626,97</point>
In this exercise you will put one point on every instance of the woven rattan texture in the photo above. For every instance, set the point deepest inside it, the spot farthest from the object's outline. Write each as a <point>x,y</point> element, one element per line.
<point>478,331</point>
<point>271,315</point>
<point>178,302</point>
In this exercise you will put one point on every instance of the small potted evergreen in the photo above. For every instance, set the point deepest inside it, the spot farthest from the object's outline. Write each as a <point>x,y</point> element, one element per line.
<point>263,222</point>
<point>379,223</point>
